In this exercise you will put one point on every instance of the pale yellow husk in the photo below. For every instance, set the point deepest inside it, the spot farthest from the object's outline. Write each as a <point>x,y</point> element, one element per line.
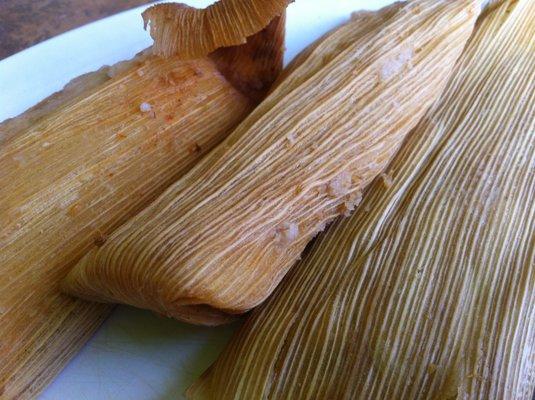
<point>428,290</point>
<point>221,238</point>
<point>81,163</point>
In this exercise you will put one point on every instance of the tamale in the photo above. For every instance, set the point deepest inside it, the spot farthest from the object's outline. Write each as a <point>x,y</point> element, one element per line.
<point>219,240</point>
<point>428,290</point>
<point>81,163</point>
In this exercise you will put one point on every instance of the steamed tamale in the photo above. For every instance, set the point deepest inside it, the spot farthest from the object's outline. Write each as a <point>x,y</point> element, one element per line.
<point>82,162</point>
<point>219,240</point>
<point>428,290</point>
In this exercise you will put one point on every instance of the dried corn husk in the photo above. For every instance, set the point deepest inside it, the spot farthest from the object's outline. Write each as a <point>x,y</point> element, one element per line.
<point>81,163</point>
<point>221,238</point>
<point>428,290</point>
<point>189,32</point>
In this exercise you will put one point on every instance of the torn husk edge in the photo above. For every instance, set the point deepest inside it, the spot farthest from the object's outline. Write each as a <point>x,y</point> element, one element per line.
<point>189,32</point>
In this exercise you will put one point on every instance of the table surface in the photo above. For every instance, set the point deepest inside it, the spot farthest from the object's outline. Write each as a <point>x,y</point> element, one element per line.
<point>24,23</point>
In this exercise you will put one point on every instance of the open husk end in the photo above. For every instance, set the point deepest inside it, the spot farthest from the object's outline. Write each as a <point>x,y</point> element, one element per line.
<point>219,240</point>
<point>188,32</point>
<point>428,290</point>
<point>83,161</point>
<point>254,66</point>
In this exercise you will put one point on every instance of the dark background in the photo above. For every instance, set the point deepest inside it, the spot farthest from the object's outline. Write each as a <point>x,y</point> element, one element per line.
<point>24,23</point>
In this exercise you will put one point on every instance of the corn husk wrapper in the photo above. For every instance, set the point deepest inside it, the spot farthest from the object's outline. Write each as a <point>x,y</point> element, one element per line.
<point>219,240</point>
<point>428,290</point>
<point>189,32</point>
<point>81,163</point>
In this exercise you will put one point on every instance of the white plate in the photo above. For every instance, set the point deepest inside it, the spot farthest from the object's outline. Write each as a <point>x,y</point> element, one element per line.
<point>137,355</point>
